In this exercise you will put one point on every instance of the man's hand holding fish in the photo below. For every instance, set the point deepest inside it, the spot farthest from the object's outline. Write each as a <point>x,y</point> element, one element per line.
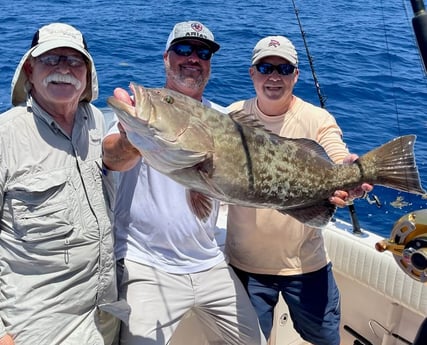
<point>341,198</point>
<point>121,155</point>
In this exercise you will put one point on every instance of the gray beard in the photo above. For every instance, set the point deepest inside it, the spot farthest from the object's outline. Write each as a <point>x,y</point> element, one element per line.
<point>190,83</point>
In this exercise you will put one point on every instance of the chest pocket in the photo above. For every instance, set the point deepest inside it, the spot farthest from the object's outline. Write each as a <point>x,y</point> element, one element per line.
<point>41,207</point>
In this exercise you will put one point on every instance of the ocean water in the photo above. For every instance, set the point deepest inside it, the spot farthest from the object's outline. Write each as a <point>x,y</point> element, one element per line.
<point>363,54</point>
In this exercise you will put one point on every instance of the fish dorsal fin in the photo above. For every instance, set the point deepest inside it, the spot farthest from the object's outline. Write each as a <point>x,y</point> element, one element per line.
<point>310,145</point>
<point>249,120</point>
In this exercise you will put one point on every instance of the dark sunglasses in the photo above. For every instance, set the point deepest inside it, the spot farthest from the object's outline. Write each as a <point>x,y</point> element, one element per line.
<point>185,49</point>
<point>268,68</point>
<point>54,60</point>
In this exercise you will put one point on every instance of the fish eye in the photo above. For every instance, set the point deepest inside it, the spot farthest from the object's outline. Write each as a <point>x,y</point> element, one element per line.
<point>168,99</point>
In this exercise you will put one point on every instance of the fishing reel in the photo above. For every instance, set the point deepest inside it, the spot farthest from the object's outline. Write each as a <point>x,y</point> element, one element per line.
<point>408,244</point>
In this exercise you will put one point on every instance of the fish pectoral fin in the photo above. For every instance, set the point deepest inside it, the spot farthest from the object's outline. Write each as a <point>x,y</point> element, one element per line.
<point>187,158</point>
<point>317,216</point>
<point>178,160</point>
<point>206,171</point>
<point>200,204</point>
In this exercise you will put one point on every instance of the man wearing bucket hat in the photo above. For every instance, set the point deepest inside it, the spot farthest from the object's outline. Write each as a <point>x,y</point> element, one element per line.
<point>169,261</point>
<point>272,252</point>
<point>57,269</point>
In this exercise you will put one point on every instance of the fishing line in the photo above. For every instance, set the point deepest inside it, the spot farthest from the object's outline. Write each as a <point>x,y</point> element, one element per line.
<point>322,100</point>
<point>393,89</point>
<point>387,48</point>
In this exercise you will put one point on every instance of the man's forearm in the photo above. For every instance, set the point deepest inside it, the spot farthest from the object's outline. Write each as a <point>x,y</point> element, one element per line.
<point>119,154</point>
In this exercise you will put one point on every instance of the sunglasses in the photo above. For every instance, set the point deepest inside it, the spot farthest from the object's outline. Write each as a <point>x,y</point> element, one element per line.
<point>54,60</point>
<point>268,68</point>
<point>185,49</point>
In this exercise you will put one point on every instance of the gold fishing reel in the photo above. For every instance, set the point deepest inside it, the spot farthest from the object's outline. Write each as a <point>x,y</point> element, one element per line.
<point>408,244</point>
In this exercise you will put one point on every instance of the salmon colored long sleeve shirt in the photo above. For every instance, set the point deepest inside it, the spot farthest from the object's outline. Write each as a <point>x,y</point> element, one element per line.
<point>265,241</point>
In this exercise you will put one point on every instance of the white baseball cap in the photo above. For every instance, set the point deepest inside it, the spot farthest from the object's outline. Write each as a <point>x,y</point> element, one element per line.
<point>192,30</point>
<point>275,46</point>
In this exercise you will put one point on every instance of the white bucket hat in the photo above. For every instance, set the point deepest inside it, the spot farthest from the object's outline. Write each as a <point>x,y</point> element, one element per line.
<point>48,37</point>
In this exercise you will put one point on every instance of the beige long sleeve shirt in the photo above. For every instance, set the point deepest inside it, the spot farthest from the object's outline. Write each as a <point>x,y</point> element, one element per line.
<point>56,247</point>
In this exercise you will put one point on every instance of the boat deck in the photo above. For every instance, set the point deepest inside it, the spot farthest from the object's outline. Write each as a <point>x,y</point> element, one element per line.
<point>380,303</point>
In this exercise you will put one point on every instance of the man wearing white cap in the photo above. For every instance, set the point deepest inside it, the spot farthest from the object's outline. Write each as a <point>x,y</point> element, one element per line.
<point>57,268</point>
<point>169,261</point>
<point>272,252</point>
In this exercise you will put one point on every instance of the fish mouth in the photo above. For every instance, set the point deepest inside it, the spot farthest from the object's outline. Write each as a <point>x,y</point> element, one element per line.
<point>120,106</point>
<point>130,109</point>
<point>125,112</point>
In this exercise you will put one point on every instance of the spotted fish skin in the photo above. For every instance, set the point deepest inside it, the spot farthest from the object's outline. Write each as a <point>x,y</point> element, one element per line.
<point>233,158</point>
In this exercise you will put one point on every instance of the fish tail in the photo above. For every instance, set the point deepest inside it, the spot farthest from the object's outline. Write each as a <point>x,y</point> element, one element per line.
<point>393,165</point>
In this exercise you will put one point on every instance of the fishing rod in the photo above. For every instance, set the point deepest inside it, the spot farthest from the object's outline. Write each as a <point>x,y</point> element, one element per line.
<point>419,24</point>
<point>322,100</point>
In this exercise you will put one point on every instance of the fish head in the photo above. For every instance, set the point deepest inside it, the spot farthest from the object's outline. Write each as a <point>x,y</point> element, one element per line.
<point>164,111</point>
<point>159,126</point>
<point>153,113</point>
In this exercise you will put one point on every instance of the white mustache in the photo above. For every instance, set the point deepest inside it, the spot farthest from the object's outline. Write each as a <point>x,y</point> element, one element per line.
<point>62,78</point>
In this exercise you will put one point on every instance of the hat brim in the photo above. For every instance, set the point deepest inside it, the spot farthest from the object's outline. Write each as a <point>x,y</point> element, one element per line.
<point>257,58</point>
<point>19,81</point>
<point>53,44</point>
<point>211,44</point>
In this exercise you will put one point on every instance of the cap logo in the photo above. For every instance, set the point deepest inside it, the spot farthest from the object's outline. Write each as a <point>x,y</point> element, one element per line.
<point>197,27</point>
<point>274,43</point>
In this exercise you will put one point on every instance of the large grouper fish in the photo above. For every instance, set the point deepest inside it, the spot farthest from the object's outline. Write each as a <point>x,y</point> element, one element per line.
<point>233,158</point>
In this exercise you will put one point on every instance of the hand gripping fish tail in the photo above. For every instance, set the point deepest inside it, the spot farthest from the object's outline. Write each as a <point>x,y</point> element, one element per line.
<point>234,159</point>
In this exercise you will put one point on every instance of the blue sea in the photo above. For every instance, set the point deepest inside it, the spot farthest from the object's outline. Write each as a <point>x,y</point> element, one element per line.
<point>363,53</point>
